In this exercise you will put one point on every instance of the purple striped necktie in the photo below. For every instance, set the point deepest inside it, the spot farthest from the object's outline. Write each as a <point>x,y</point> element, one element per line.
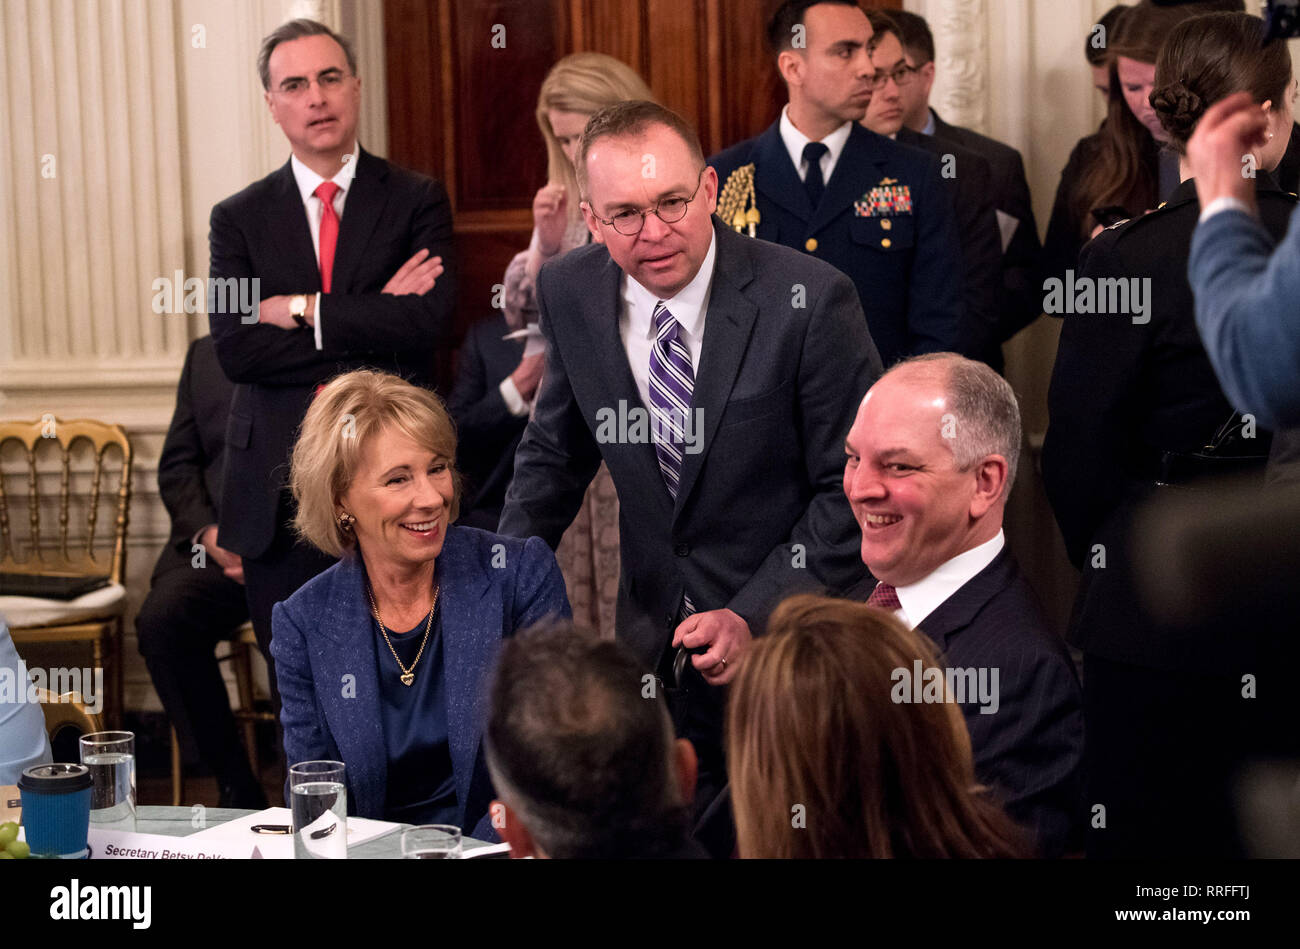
<point>672,381</point>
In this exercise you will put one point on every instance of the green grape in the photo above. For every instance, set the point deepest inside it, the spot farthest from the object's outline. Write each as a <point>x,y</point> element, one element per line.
<point>6,855</point>
<point>19,849</point>
<point>8,833</point>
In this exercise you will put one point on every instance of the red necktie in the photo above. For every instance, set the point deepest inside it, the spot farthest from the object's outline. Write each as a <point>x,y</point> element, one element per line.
<point>885,597</point>
<point>329,231</point>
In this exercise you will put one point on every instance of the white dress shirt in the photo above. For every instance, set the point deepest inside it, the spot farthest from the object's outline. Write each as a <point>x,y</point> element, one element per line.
<point>636,320</point>
<point>795,141</point>
<point>918,600</point>
<point>308,181</point>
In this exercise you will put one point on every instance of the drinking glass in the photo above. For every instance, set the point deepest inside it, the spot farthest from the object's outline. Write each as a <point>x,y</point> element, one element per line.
<point>319,798</point>
<point>110,756</point>
<point>431,842</point>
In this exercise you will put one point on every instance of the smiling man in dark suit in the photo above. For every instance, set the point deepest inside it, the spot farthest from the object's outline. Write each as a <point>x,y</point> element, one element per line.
<point>716,376</point>
<point>346,249</point>
<point>931,458</point>
<point>828,187</point>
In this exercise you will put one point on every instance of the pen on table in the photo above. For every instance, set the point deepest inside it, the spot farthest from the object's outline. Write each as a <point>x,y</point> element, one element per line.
<point>286,829</point>
<point>271,829</point>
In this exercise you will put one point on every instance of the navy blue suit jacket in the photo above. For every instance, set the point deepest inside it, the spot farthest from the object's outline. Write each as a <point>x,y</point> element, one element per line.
<point>909,276</point>
<point>1030,751</point>
<point>325,632</point>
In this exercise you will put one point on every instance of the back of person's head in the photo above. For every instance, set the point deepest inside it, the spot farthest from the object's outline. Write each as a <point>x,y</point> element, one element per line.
<point>825,762</point>
<point>583,83</point>
<point>580,749</point>
<point>1209,58</point>
<point>781,28</point>
<point>914,33</point>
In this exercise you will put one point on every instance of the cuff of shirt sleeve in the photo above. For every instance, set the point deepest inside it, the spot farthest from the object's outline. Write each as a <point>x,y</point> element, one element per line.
<point>1219,205</point>
<point>316,321</point>
<point>514,401</point>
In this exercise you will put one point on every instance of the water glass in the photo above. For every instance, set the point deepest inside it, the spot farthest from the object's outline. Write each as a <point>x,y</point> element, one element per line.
<point>318,794</point>
<point>110,756</point>
<point>431,842</point>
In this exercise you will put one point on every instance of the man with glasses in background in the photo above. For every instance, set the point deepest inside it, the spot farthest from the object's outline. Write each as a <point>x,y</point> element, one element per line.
<point>826,186</point>
<point>1021,248</point>
<point>966,177</point>
<point>352,261</point>
<point>716,376</point>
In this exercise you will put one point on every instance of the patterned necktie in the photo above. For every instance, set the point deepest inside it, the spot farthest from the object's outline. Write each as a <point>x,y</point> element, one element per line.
<point>813,182</point>
<point>671,383</point>
<point>329,231</point>
<point>885,597</point>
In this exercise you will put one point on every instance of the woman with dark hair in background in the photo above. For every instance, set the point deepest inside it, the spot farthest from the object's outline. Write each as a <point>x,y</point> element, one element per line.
<point>1135,408</point>
<point>1119,171</point>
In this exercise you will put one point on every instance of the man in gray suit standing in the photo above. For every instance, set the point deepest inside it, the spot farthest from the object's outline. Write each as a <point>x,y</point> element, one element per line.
<point>717,377</point>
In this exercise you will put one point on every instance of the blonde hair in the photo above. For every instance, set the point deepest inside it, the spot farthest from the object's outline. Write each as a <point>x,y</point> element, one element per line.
<point>811,721</point>
<point>584,83</point>
<point>340,422</point>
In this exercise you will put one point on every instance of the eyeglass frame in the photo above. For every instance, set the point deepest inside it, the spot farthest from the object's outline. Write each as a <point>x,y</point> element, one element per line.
<point>327,74</point>
<point>878,80</point>
<point>686,206</point>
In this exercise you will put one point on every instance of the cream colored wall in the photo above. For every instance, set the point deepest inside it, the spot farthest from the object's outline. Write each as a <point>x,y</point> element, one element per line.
<point>152,112</point>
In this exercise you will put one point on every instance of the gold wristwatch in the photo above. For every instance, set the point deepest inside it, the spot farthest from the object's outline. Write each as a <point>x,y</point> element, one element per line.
<point>298,309</point>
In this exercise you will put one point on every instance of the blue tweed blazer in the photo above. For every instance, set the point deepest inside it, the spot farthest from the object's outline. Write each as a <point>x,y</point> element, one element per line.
<point>324,634</point>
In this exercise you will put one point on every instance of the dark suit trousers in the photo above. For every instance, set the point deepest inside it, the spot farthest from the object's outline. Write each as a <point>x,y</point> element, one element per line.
<point>697,712</point>
<point>275,576</point>
<point>1163,752</point>
<point>187,612</point>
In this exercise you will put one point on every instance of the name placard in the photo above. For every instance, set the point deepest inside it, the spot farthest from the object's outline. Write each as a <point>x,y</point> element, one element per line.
<point>127,845</point>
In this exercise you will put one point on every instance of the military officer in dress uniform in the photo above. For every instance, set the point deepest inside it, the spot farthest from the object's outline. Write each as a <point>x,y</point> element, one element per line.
<point>818,181</point>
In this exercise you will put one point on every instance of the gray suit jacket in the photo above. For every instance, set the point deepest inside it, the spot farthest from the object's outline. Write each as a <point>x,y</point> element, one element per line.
<point>760,512</point>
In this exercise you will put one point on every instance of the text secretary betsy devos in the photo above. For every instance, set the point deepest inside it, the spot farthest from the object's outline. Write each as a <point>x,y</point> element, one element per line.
<point>382,659</point>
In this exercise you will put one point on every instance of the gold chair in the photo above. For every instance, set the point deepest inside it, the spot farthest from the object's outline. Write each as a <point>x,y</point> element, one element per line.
<point>242,649</point>
<point>96,617</point>
<point>67,709</point>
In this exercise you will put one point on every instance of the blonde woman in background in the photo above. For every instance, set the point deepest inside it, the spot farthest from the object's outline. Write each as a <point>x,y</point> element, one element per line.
<point>576,88</point>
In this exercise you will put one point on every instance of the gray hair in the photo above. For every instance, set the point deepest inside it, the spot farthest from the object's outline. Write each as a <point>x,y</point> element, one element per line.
<point>296,30</point>
<point>987,414</point>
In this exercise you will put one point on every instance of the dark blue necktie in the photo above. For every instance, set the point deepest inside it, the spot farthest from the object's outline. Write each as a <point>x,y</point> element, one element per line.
<point>813,182</point>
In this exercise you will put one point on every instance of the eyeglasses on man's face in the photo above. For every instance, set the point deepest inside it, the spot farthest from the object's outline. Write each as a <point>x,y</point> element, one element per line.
<point>901,75</point>
<point>331,80</point>
<point>670,210</point>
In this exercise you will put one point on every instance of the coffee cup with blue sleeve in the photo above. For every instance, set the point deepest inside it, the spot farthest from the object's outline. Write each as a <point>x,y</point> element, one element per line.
<point>56,810</point>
